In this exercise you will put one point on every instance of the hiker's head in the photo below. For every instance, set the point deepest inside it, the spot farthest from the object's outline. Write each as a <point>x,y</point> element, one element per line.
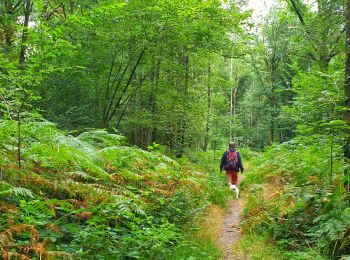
<point>232,145</point>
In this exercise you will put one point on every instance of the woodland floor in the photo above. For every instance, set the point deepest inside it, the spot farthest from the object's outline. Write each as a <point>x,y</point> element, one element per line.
<point>230,231</point>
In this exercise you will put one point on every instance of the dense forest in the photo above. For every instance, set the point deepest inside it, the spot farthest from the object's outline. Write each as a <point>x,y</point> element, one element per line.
<point>114,115</point>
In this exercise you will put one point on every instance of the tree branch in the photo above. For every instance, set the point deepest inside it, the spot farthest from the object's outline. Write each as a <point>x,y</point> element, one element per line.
<point>296,9</point>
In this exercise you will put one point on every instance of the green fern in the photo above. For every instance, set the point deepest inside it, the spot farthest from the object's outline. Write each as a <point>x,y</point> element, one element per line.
<point>56,156</point>
<point>101,138</point>
<point>81,175</point>
<point>8,190</point>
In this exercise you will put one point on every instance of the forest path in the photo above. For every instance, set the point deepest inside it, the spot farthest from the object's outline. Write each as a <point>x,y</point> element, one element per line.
<point>230,231</point>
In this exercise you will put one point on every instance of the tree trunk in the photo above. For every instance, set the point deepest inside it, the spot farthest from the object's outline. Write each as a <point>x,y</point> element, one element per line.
<point>273,99</point>
<point>234,100</point>
<point>22,58</point>
<point>207,130</point>
<point>297,11</point>
<point>272,129</point>
<point>181,135</point>
<point>27,10</point>
<point>347,89</point>
<point>231,97</point>
<point>120,93</point>
<point>153,103</point>
<point>19,139</point>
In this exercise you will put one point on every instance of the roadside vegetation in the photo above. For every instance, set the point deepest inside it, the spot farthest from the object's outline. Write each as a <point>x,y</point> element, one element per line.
<point>297,203</point>
<point>93,196</point>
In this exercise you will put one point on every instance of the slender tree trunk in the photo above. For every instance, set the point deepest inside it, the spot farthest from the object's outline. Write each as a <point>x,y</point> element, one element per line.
<point>180,142</point>
<point>142,110</point>
<point>22,58</point>
<point>231,97</point>
<point>234,100</point>
<point>272,99</point>
<point>347,90</point>
<point>153,103</point>
<point>27,10</point>
<point>297,11</point>
<point>187,73</point>
<point>97,94</point>
<point>118,93</point>
<point>251,119</point>
<point>136,127</point>
<point>19,139</point>
<point>272,129</point>
<point>207,130</point>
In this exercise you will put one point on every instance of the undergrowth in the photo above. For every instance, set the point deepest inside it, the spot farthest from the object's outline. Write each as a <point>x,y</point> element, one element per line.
<point>93,197</point>
<point>297,201</point>
<point>201,236</point>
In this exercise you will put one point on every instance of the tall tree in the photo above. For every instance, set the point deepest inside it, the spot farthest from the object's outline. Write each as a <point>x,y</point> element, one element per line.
<point>347,88</point>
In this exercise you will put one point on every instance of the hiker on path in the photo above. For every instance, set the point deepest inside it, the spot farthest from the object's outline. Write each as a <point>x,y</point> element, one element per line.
<point>231,162</point>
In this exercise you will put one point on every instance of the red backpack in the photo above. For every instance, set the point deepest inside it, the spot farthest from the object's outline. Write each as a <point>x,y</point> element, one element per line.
<point>231,160</point>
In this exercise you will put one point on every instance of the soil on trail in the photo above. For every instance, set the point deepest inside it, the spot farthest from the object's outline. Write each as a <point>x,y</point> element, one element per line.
<point>230,231</point>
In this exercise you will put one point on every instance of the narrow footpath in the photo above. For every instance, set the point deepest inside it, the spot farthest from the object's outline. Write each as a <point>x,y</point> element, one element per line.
<point>230,231</point>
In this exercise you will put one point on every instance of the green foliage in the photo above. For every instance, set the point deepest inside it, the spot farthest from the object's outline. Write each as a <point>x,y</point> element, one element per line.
<point>89,197</point>
<point>257,247</point>
<point>218,193</point>
<point>175,77</point>
<point>195,249</point>
<point>298,203</point>
<point>7,190</point>
<point>102,139</point>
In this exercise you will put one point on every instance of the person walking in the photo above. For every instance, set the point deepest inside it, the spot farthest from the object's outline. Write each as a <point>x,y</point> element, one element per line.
<point>231,162</point>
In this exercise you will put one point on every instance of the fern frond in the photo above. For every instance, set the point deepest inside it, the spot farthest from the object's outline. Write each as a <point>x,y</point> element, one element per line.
<point>163,192</point>
<point>81,175</point>
<point>8,190</point>
<point>6,239</point>
<point>102,138</point>
<point>15,191</point>
<point>12,255</point>
<point>113,190</point>
<point>73,142</point>
<point>57,156</point>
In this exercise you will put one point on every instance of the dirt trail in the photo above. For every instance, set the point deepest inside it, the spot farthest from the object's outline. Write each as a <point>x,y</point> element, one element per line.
<point>230,231</point>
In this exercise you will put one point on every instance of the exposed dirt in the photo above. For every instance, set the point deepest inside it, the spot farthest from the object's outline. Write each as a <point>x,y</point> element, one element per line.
<point>230,231</point>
